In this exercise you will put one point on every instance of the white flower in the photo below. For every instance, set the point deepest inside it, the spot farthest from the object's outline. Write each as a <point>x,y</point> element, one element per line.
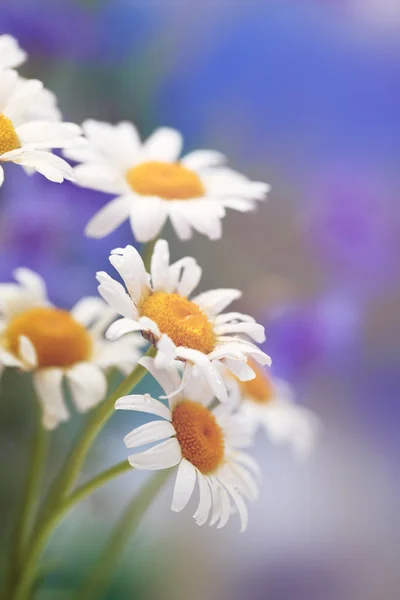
<point>193,331</point>
<point>203,443</point>
<point>11,55</point>
<point>151,182</point>
<point>24,139</point>
<point>53,343</point>
<point>44,106</point>
<point>270,403</point>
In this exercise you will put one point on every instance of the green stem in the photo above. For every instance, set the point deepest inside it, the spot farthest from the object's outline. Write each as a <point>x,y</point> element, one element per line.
<point>28,574</point>
<point>147,253</point>
<point>99,581</point>
<point>96,423</point>
<point>29,497</point>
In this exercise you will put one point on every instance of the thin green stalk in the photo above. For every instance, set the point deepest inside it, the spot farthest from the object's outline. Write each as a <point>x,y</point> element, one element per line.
<point>29,496</point>
<point>100,579</point>
<point>28,574</point>
<point>147,253</point>
<point>98,419</point>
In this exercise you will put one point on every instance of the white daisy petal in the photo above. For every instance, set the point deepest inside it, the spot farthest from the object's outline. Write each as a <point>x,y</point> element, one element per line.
<point>129,264</point>
<point>184,485</point>
<point>233,316</point>
<point>207,368</point>
<point>49,165</point>
<point>121,327</point>
<point>205,500</point>
<point>1,175</point>
<point>100,177</point>
<point>48,387</point>
<point>27,352</point>
<point>187,273</point>
<point>216,501</point>
<point>168,378</point>
<point>9,80</point>
<point>33,284</point>
<point>11,55</point>
<point>88,385</point>
<point>23,93</point>
<point>166,351</point>
<point>88,309</point>
<point>149,432</point>
<point>147,217</point>
<point>253,330</point>
<point>160,267</point>
<point>215,301</point>
<point>241,508</point>
<point>163,456</point>
<point>240,369</point>
<point>9,360</point>
<point>225,508</point>
<point>201,159</point>
<point>164,144</point>
<point>144,403</point>
<point>111,216</point>
<point>115,295</point>
<point>179,222</point>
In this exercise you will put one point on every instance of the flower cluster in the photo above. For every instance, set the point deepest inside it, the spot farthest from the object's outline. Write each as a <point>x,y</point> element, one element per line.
<point>214,375</point>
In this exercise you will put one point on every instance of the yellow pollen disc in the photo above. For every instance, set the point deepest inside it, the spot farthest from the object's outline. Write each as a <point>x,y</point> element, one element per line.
<point>171,181</point>
<point>181,319</point>
<point>199,436</point>
<point>59,340</point>
<point>8,138</point>
<point>260,389</point>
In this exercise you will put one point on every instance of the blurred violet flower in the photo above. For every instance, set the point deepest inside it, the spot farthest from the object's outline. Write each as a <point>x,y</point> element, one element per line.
<point>350,226</point>
<point>302,336</point>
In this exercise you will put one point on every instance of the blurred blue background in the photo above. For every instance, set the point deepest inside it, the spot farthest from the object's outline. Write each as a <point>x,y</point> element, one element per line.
<point>301,94</point>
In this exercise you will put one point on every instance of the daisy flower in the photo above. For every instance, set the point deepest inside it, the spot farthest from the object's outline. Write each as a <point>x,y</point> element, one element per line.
<point>194,331</point>
<point>204,444</point>
<point>270,403</point>
<point>24,139</point>
<point>53,343</point>
<point>44,106</point>
<point>151,182</point>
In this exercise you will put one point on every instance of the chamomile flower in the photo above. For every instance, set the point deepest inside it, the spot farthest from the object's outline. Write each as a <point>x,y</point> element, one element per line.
<point>151,182</point>
<point>194,331</point>
<point>269,402</point>
<point>24,139</point>
<point>44,106</point>
<point>53,343</point>
<point>204,444</point>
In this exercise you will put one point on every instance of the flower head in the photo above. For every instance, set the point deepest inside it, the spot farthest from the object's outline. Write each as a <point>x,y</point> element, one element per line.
<point>152,183</point>
<point>28,132</point>
<point>51,342</point>
<point>270,402</point>
<point>195,330</point>
<point>205,444</point>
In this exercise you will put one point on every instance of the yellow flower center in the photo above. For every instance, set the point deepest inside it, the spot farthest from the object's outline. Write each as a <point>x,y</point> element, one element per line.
<point>171,181</point>
<point>59,340</point>
<point>260,389</point>
<point>181,319</point>
<point>8,138</point>
<point>199,436</point>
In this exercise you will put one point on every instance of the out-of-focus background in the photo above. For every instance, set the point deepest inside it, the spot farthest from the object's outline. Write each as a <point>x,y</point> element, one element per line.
<point>304,95</point>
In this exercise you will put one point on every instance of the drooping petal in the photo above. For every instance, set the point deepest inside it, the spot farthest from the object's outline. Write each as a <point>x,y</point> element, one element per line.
<point>48,387</point>
<point>168,378</point>
<point>144,403</point>
<point>205,500</point>
<point>148,433</point>
<point>163,456</point>
<point>122,327</point>
<point>209,371</point>
<point>88,385</point>
<point>184,485</point>
<point>111,216</point>
<point>147,217</point>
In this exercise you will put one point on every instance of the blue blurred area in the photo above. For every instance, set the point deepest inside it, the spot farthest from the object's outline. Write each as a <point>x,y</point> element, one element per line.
<point>304,95</point>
